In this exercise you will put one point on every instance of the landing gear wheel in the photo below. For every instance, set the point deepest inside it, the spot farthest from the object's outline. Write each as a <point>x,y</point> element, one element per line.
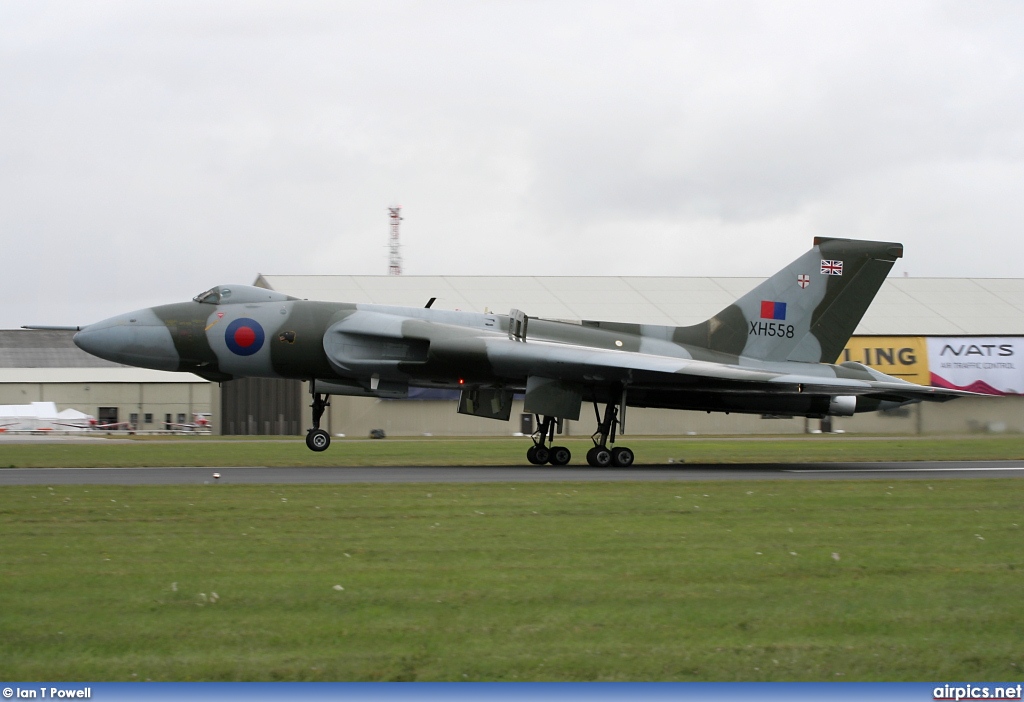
<point>560,456</point>
<point>622,457</point>
<point>599,457</point>
<point>531,456</point>
<point>318,440</point>
<point>541,455</point>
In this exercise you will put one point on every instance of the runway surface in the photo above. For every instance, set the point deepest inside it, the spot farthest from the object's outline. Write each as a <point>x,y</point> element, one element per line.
<point>253,475</point>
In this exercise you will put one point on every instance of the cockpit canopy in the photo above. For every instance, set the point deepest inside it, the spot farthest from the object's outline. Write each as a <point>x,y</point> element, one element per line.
<point>237,294</point>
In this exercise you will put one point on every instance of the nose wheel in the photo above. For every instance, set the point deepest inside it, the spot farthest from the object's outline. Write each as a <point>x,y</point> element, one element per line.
<point>316,438</point>
<point>541,452</point>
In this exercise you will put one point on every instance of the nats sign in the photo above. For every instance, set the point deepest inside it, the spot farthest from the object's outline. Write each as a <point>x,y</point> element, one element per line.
<point>989,365</point>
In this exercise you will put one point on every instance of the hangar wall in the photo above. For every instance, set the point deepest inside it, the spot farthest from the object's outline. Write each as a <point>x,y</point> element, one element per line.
<point>905,357</point>
<point>153,401</point>
<point>892,337</point>
<point>262,406</point>
<point>356,416</point>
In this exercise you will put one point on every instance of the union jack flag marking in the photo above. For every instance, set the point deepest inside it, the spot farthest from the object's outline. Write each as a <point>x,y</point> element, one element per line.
<point>803,280</point>
<point>831,267</point>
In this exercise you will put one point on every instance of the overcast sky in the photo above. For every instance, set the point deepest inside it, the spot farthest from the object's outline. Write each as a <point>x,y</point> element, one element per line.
<point>149,150</point>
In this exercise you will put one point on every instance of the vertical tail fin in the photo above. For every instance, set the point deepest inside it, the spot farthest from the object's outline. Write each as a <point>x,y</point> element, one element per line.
<point>805,312</point>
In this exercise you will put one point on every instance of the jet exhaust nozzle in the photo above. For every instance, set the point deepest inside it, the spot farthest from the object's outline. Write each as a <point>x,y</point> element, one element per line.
<point>842,406</point>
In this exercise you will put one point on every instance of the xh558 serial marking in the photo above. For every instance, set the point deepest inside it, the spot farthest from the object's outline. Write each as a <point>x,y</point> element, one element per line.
<point>771,352</point>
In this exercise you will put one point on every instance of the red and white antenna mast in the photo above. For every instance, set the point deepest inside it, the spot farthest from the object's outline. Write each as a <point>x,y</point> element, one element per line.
<point>395,257</point>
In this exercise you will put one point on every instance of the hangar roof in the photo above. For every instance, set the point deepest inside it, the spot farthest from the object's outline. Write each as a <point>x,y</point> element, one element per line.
<point>50,356</point>
<point>45,348</point>
<point>917,306</point>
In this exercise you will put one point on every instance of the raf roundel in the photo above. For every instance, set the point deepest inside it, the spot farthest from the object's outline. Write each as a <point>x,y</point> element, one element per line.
<point>244,336</point>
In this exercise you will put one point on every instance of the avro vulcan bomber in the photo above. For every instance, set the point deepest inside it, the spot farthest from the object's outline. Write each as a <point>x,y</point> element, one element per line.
<point>771,352</point>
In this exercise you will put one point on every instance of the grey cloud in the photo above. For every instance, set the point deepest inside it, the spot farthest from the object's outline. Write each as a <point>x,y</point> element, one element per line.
<point>150,150</point>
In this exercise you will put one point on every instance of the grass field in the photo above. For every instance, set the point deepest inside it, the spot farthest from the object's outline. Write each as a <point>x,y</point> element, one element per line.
<point>630,581</point>
<point>502,451</point>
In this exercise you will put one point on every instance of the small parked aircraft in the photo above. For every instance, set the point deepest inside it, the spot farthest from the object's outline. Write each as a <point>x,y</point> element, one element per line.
<point>200,422</point>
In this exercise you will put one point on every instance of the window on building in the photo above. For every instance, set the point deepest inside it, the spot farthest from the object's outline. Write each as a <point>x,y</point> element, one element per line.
<point>148,418</point>
<point>133,419</point>
<point>181,418</point>
<point>107,415</point>
<point>167,421</point>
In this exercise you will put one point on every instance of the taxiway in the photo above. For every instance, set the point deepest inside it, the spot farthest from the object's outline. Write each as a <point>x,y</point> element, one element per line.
<point>932,470</point>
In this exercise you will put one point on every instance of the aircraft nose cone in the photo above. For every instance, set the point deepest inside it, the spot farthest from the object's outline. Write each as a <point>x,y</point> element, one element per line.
<point>135,339</point>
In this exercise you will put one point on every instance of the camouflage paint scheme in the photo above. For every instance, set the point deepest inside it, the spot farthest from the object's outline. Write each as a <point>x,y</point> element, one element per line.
<point>770,352</point>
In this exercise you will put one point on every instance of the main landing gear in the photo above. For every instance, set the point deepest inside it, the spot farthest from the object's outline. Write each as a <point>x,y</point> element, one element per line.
<point>316,438</point>
<point>601,456</point>
<point>539,453</point>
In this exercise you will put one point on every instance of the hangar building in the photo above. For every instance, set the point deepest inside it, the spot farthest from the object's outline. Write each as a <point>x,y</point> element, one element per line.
<point>912,327</point>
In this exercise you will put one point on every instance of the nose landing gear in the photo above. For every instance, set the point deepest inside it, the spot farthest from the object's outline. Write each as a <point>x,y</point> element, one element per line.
<point>539,453</point>
<point>316,438</point>
<point>601,456</point>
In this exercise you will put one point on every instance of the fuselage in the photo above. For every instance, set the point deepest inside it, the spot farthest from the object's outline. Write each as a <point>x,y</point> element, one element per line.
<point>360,349</point>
